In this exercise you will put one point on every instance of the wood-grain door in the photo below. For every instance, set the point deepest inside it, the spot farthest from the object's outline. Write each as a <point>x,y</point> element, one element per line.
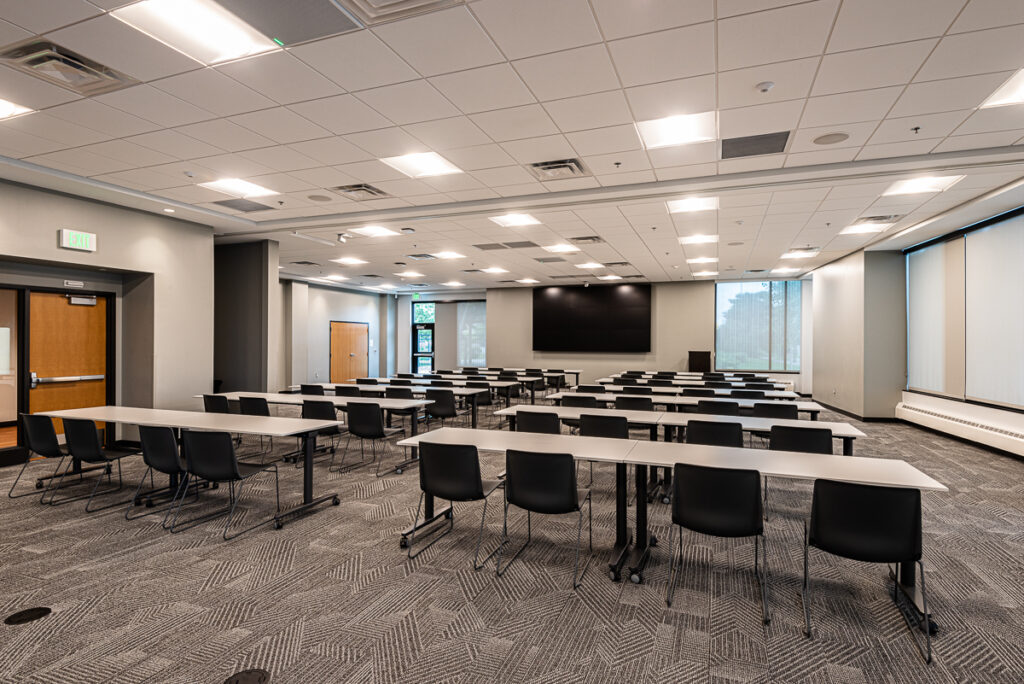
<point>349,350</point>
<point>66,341</point>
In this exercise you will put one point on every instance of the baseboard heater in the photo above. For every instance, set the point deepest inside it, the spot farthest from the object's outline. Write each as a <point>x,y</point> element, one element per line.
<point>983,433</point>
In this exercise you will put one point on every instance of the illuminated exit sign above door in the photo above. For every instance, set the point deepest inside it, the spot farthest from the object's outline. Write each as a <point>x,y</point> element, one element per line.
<point>76,239</point>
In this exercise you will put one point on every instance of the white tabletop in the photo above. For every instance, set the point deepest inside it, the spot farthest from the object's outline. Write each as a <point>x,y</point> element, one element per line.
<point>678,400</point>
<point>484,371</point>
<point>719,391</point>
<point>581,448</point>
<point>298,399</point>
<point>196,420</point>
<point>574,412</point>
<point>750,423</point>
<point>460,376</point>
<point>687,375</point>
<point>497,384</point>
<point>693,382</point>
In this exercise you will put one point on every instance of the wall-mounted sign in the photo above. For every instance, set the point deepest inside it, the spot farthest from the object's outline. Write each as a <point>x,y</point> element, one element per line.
<point>415,295</point>
<point>76,239</point>
<point>74,283</point>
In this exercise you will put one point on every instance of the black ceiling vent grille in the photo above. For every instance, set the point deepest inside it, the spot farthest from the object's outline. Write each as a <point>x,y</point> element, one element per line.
<point>506,281</point>
<point>420,257</point>
<point>471,270</point>
<point>549,260</point>
<point>293,22</point>
<point>558,169</point>
<point>490,246</point>
<point>523,244</point>
<point>58,65</point>
<point>564,277</point>
<point>419,285</point>
<point>373,12</point>
<point>612,264</point>
<point>360,192</point>
<point>587,240</point>
<point>754,145</point>
<point>304,263</point>
<point>242,205</point>
<point>755,270</point>
<point>871,220</point>
<point>369,275</point>
<point>631,277</point>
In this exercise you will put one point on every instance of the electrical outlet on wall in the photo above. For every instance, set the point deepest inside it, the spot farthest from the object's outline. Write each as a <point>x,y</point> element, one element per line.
<point>316,375</point>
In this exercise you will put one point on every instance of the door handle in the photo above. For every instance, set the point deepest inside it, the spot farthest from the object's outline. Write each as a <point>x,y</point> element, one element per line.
<point>351,353</point>
<point>35,380</point>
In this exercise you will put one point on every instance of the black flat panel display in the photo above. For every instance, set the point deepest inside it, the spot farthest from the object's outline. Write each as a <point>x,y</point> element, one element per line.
<point>600,318</point>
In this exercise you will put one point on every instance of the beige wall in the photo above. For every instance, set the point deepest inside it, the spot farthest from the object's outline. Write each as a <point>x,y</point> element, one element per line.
<point>682,320</point>
<point>328,304</point>
<point>885,332</point>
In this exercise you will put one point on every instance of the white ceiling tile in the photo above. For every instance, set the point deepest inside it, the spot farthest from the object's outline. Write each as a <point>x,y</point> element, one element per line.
<point>683,155</point>
<point>565,74</point>
<point>410,102</point>
<point>445,134</point>
<point>234,166</point>
<point>684,96</point>
<point>864,105</point>
<point>948,94</point>
<point>80,162</point>
<point>515,123</point>
<point>803,139</point>
<point>590,111</point>
<point>766,118</point>
<point>40,17</point>
<point>453,181</point>
<point>377,64</point>
<point>666,55</point>
<point>31,92</point>
<point>406,186</point>
<point>868,23</point>
<point>281,76</point>
<point>603,164</point>
<point>978,141</point>
<point>440,42</point>
<point>504,175</point>
<point>226,135</point>
<point>776,35</point>
<point>792,80</point>
<point>129,153</point>
<point>139,179</point>
<point>14,143</point>
<point>387,142</point>
<point>325,177</point>
<point>999,49</point>
<point>484,89</point>
<point>175,144</point>
<point>341,114</point>
<point>99,117</point>
<point>282,182</point>
<point>155,105</point>
<point>118,45</point>
<point>871,68</point>
<point>931,125</point>
<point>820,157</point>
<point>605,140</point>
<point>42,125</point>
<point>331,150</point>
<point>983,14</point>
<point>478,157</point>
<point>619,19</point>
<point>533,27</point>
<point>179,171</point>
<point>9,33</point>
<point>904,148</point>
<point>280,158</point>
<point>280,125</point>
<point>214,92</point>
<point>995,119</point>
<point>571,184</point>
<point>532,150</point>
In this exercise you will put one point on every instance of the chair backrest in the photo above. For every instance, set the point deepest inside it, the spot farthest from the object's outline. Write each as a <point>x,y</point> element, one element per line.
<point>712,376</point>
<point>210,455</point>
<point>885,529</point>
<point>628,403</point>
<point>533,371</point>
<point>579,401</point>
<point>593,389</point>
<point>40,436</point>
<point>759,385</point>
<point>450,471</point>
<point>481,383</point>
<point>506,375</point>
<point>366,381</point>
<point>401,382</point>
<point>757,378</point>
<point>347,391</point>
<point>319,410</point>
<point>476,377</point>
<point>638,389</point>
<point>724,502</point>
<point>714,433</point>
<point>315,390</point>
<point>541,483</point>
<point>398,392</point>
<point>718,383</point>
<point>637,373</point>
<point>469,369</point>
<point>698,392</point>
<point>253,406</point>
<point>444,403</point>
<point>664,374</point>
<point>538,421</point>
<point>216,403</point>
<point>442,383</point>
<point>445,371</point>
<point>603,426</point>
<point>718,408</point>
<point>776,409</point>
<point>405,375</point>
<point>431,376</point>
<point>811,440</point>
<point>83,440</point>
<point>744,375</point>
<point>365,420</point>
<point>660,382</point>
<point>160,449</point>
<point>624,380</point>
<point>747,394</point>
<point>483,398</point>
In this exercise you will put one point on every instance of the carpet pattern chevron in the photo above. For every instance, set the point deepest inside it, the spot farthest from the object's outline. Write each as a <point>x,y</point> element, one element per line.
<point>332,597</point>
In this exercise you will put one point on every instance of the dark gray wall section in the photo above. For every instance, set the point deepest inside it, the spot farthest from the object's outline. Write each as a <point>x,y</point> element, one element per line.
<point>240,306</point>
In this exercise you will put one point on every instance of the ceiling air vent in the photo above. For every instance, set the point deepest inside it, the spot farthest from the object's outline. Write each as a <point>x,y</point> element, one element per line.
<point>420,257</point>
<point>242,205</point>
<point>613,264</point>
<point>304,263</point>
<point>558,169</point>
<point>564,277</point>
<point>295,21</point>
<point>755,270</point>
<point>525,244</point>
<point>373,12</point>
<point>418,285</point>
<point>506,281</point>
<point>631,277</point>
<point>754,145</point>
<point>891,218</point>
<point>58,65</point>
<point>471,270</point>
<point>489,246</point>
<point>549,260</point>
<point>369,275</point>
<point>360,192</point>
<point>587,240</point>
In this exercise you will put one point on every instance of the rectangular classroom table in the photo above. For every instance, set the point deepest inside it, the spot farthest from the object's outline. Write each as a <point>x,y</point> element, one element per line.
<point>469,392</point>
<point>809,407</point>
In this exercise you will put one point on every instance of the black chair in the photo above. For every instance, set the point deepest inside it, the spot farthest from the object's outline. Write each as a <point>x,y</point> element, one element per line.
<point>616,427</point>
<point>660,382</point>
<point>718,408</point>
<point>593,389</point>
<point>484,400</point>
<point>366,381</point>
<point>452,472</point>
<point>346,391</point>
<point>714,433</point>
<point>469,370</point>
<point>555,383</point>
<point>664,374</point>
<point>743,375</point>
<point>398,392</point>
<point>445,371</point>
<point>713,376</point>
<point>211,456</point>
<point>257,406</point>
<point>785,410</point>
<point>638,389</point>
<point>544,483</point>
<point>747,394</point>
<point>627,403</point>
<point>366,421</point>
<point>442,383</point>
<point>41,440</point>
<point>544,422</point>
<point>83,442</point>
<point>534,371</point>
<point>573,401</point>
<point>216,403</point>
<point>405,375</point>
<point>624,380</point>
<point>401,382</point>
<point>313,390</point>
<point>322,410</point>
<point>698,392</point>
<point>759,385</point>
<point>443,407</point>
<point>514,390</point>
<point>160,454</point>
<point>431,376</point>
<point>811,440</point>
<point>721,502</point>
<point>886,528</point>
<point>720,384</point>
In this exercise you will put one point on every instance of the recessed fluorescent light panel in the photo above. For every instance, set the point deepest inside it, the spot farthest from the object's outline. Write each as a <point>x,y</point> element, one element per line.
<point>409,274</point>
<point>703,260</point>
<point>785,269</point>
<point>702,274</point>
<point>336,277</point>
<point>681,129</point>
<point>449,255</point>
<point>609,277</point>
<point>692,204</point>
<point>590,265</point>
<point>562,248</point>
<point>698,239</point>
<point>454,283</point>
<point>386,286</point>
<point>312,238</point>
<point>495,269</point>
<point>528,281</point>
<point>9,109</point>
<point>1010,93</point>
<point>236,187</point>
<point>513,220</point>
<point>422,164</point>
<point>800,254</point>
<point>348,261</point>
<point>915,186</point>
<point>374,231</point>
<point>201,29</point>
<point>864,228</point>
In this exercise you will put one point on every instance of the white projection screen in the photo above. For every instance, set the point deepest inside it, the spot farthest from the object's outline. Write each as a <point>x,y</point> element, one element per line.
<point>926,319</point>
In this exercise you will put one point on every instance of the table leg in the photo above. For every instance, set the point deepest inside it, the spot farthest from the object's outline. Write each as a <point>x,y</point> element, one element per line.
<point>906,582</point>
<point>533,393</point>
<point>512,422</point>
<point>472,406</point>
<point>847,446</point>
<point>642,549</point>
<point>308,501</point>
<point>430,516</point>
<point>814,415</point>
<point>620,552</point>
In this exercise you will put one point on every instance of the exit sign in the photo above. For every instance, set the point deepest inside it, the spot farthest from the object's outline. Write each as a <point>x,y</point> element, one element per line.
<point>415,295</point>
<point>76,239</point>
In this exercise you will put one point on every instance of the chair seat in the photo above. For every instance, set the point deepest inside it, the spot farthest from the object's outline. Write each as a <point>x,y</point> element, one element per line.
<point>491,485</point>
<point>249,469</point>
<point>114,454</point>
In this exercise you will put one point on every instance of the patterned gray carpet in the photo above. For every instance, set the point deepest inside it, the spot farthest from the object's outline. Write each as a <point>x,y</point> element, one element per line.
<point>332,597</point>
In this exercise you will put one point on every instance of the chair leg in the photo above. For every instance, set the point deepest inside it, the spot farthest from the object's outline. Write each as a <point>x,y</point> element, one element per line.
<point>477,564</point>
<point>412,535</point>
<point>762,576</point>
<point>577,582</point>
<point>764,504</point>
<point>672,557</point>
<point>529,536</point>
<point>237,497</point>
<point>52,488</point>
<point>95,490</point>
<point>909,615</point>
<point>805,593</point>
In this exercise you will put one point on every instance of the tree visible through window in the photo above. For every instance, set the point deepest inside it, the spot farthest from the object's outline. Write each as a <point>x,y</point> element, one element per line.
<point>423,312</point>
<point>757,326</point>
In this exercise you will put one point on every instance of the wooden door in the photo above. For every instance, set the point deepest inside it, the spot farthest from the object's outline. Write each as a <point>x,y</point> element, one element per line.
<point>349,350</point>
<point>66,340</point>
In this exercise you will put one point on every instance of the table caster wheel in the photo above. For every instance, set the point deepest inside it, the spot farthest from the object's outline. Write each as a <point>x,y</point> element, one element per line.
<point>614,576</point>
<point>39,484</point>
<point>278,524</point>
<point>666,500</point>
<point>653,542</point>
<point>336,501</point>
<point>403,543</point>
<point>636,578</point>
<point>398,471</point>
<point>448,514</point>
<point>215,485</point>
<point>149,503</point>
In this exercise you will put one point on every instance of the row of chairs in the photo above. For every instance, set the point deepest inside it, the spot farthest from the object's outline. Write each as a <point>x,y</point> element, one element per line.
<point>629,382</point>
<point>684,391</point>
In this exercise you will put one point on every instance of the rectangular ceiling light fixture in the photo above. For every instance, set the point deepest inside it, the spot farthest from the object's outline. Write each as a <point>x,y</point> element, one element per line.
<point>917,186</point>
<point>562,248</point>
<point>1010,93</point>
<point>698,239</point>
<point>703,260</point>
<point>201,29</point>
<point>375,231</point>
<point>495,270</point>
<point>238,188</point>
<point>422,165</point>
<point>591,265</point>
<point>704,274</point>
<point>454,283</point>
<point>785,269</point>
<point>337,278</point>
<point>348,261</point>
<point>609,277</point>
<point>513,220</point>
<point>800,254</point>
<point>692,204</point>
<point>528,281</point>
<point>9,109</point>
<point>682,129</point>
<point>449,255</point>
<point>409,274</point>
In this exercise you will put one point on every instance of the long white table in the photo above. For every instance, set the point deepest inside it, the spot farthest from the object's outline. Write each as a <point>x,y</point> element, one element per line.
<point>809,407</point>
<point>679,386</point>
<point>530,382</point>
<point>501,386</point>
<point>470,393</point>
<point>575,372</point>
<point>683,375</point>
<point>271,426</point>
<point>695,382</point>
